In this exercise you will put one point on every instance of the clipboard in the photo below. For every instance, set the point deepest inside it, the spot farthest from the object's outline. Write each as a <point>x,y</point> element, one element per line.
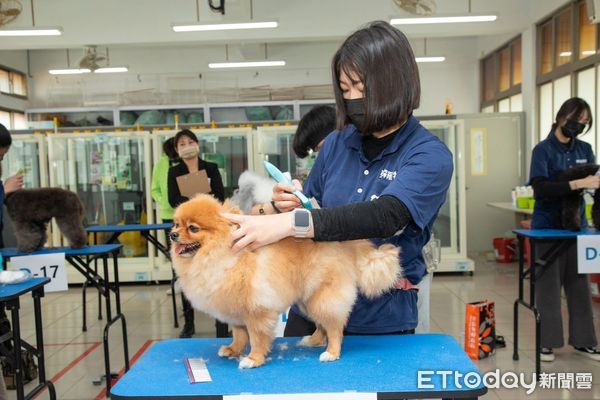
<point>193,183</point>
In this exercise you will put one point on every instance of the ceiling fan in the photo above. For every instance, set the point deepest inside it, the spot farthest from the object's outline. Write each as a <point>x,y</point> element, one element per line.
<point>9,10</point>
<point>91,59</point>
<point>417,7</point>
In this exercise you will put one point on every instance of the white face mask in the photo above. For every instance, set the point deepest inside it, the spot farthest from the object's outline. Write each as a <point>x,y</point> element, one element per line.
<point>189,152</point>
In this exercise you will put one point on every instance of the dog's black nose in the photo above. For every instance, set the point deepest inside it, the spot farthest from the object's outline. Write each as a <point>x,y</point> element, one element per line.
<point>174,236</point>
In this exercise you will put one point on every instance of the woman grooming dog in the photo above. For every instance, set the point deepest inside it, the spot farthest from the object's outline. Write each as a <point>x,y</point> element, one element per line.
<point>383,177</point>
<point>188,149</point>
<point>560,151</point>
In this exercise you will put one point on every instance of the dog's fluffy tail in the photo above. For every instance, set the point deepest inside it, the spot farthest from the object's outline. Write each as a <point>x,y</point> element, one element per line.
<point>378,268</point>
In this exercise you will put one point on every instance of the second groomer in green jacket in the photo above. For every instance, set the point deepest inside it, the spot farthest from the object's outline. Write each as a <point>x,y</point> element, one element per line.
<point>160,173</point>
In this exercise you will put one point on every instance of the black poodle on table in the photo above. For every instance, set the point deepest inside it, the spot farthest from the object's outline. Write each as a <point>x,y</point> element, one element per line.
<point>571,204</point>
<point>32,209</point>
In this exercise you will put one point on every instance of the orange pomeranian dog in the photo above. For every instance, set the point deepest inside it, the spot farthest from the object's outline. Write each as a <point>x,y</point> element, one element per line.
<point>250,289</point>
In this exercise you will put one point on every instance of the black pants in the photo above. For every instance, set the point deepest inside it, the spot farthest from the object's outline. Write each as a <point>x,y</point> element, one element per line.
<point>563,273</point>
<point>299,326</point>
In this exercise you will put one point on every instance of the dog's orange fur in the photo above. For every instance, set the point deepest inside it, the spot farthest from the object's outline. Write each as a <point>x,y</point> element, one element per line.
<point>249,290</point>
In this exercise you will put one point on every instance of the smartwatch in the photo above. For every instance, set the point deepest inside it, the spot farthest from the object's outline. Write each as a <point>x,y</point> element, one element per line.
<point>301,222</point>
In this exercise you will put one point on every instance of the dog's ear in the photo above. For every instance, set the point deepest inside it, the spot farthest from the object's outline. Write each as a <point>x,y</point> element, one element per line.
<point>231,208</point>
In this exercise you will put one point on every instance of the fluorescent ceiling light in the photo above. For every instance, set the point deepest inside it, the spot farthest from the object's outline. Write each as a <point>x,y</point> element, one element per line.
<point>108,70</point>
<point>246,64</point>
<point>70,71</point>
<point>443,20</point>
<point>31,32</point>
<point>224,27</point>
<point>430,59</point>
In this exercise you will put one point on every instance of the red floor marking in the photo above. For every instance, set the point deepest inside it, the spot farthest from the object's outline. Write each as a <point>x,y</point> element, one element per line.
<point>76,361</point>
<point>67,344</point>
<point>133,360</point>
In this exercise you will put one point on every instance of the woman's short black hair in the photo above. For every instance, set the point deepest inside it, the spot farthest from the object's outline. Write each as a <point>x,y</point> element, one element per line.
<point>574,106</point>
<point>5,139</point>
<point>169,148</point>
<point>312,128</point>
<point>186,132</point>
<point>381,57</point>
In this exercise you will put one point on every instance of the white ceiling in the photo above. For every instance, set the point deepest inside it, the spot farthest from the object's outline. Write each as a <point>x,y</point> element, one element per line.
<point>138,23</point>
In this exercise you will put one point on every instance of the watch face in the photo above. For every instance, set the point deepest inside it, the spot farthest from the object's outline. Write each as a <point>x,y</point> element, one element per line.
<point>301,219</point>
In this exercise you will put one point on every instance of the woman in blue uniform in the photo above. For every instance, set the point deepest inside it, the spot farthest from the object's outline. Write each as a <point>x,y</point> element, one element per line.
<point>383,176</point>
<point>559,151</point>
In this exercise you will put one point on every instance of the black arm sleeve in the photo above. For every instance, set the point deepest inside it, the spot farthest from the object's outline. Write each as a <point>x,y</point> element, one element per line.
<point>216,183</point>
<point>544,188</point>
<point>380,218</point>
<point>175,197</point>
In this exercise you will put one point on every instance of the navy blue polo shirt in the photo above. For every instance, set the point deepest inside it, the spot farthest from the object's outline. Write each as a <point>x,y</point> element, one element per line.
<point>416,168</point>
<point>549,159</point>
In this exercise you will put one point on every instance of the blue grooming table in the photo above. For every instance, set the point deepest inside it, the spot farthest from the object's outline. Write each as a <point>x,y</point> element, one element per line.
<point>9,298</point>
<point>148,231</point>
<point>559,239</point>
<point>82,260</point>
<point>372,367</point>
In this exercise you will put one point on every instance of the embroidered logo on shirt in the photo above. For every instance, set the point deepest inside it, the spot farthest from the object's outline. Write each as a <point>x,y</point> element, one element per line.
<point>375,197</point>
<point>389,175</point>
<point>581,161</point>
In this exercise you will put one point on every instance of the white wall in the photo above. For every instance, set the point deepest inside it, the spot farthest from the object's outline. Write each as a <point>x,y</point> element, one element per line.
<point>170,74</point>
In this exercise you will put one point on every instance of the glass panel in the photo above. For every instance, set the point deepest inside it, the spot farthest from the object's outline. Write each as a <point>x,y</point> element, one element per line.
<point>546,111</point>
<point>489,78</point>
<point>23,154</point>
<point>587,33</point>
<point>504,105</point>
<point>488,109</point>
<point>564,50</point>
<point>504,77</point>
<point>19,83</point>
<point>304,108</point>
<point>562,92</point>
<point>4,82</point>
<point>586,89</point>
<point>446,226</point>
<point>107,171</point>
<point>76,118</point>
<point>516,62</point>
<point>516,103</point>
<point>19,121</point>
<point>275,145</point>
<point>161,117</point>
<point>252,113</point>
<point>5,119</point>
<point>546,47</point>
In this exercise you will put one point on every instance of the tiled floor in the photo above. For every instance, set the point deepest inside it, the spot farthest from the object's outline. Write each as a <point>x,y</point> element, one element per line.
<point>75,358</point>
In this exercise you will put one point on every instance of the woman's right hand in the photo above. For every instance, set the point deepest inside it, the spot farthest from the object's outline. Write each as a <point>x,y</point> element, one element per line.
<point>284,199</point>
<point>589,182</point>
<point>13,183</point>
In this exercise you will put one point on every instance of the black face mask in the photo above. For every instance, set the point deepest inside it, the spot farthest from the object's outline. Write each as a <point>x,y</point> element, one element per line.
<point>355,110</point>
<point>572,128</point>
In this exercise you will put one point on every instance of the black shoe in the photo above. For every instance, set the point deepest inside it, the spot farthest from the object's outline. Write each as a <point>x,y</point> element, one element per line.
<point>590,352</point>
<point>187,331</point>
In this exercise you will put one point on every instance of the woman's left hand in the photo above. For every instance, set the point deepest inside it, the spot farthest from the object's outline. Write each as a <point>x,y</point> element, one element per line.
<point>258,231</point>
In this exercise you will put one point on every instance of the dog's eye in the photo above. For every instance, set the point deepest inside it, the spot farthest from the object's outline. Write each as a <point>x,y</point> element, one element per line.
<point>193,229</point>
<point>176,225</point>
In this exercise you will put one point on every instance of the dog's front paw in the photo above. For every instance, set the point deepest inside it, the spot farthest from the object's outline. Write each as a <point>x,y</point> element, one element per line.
<point>247,362</point>
<point>227,351</point>
<point>327,356</point>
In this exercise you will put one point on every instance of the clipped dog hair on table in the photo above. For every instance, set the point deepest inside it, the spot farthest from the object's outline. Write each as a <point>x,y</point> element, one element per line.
<point>32,209</point>
<point>571,204</point>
